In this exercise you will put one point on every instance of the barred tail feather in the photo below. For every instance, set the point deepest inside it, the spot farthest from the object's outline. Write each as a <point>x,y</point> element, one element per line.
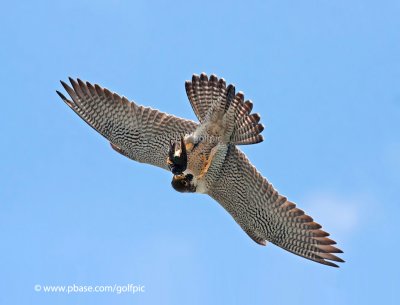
<point>211,96</point>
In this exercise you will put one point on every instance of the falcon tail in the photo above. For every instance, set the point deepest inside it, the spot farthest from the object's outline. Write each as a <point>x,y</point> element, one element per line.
<point>209,96</point>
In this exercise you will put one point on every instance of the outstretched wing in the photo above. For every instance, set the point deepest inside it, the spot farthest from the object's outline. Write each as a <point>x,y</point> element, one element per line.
<point>140,133</point>
<point>267,216</point>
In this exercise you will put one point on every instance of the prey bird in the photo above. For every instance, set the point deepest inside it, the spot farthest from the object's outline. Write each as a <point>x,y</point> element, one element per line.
<point>204,157</point>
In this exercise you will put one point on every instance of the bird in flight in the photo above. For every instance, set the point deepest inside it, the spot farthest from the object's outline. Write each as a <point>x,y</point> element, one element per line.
<point>204,157</point>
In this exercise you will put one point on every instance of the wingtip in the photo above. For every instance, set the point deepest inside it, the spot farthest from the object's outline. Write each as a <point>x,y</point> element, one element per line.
<point>66,101</point>
<point>61,95</point>
<point>64,84</point>
<point>331,264</point>
<point>342,261</point>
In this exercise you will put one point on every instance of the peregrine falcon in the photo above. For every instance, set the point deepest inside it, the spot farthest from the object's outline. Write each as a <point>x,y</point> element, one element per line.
<point>204,157</point>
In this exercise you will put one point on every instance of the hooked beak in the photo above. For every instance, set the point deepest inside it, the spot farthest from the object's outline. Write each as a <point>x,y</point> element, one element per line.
<point>177,163</point>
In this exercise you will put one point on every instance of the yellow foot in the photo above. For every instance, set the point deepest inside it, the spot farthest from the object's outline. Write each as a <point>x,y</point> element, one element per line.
<point>189,146</point>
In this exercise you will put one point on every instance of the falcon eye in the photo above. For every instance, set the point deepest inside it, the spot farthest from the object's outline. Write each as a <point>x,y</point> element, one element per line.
<point>189,177</point>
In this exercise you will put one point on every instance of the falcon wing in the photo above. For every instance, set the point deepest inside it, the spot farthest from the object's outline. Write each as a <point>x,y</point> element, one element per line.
<point>139,133</point>
<point>267,216</point>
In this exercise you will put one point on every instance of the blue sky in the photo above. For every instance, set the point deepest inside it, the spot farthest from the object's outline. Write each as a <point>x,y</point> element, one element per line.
<point>324,76</point>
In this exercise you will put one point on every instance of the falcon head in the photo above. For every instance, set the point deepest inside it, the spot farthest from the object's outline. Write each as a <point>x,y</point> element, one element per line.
<point>183,183</point>
<point>177,159</point>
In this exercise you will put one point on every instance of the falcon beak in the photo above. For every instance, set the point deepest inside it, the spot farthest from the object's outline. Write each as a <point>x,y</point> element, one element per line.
<point>177,160</point>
